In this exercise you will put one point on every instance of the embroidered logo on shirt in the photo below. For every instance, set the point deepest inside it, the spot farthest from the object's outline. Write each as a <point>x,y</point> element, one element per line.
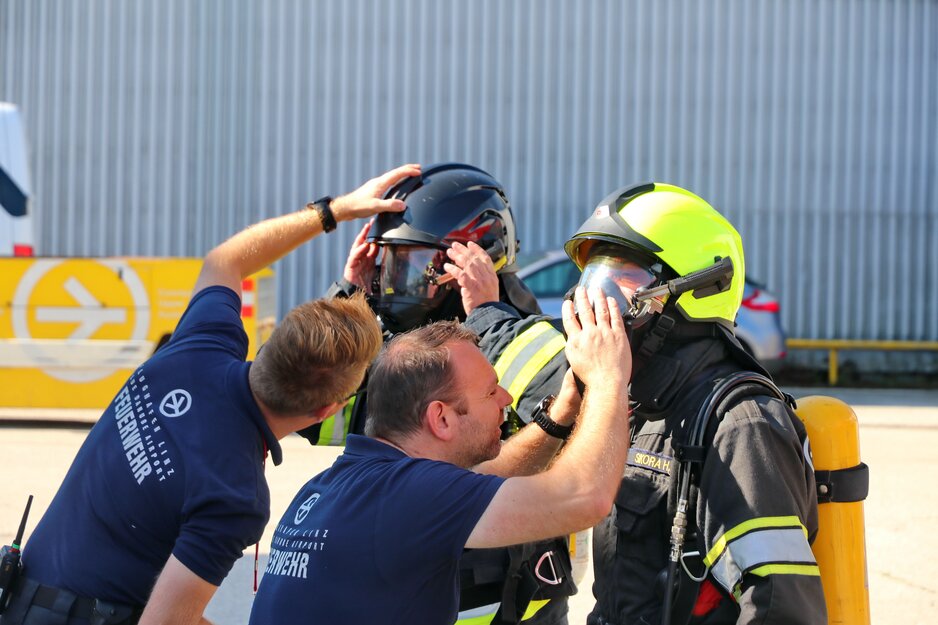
<point>141,436</point>
<point>305,508</point>
<point>644,459</point>
<point>176,403</point>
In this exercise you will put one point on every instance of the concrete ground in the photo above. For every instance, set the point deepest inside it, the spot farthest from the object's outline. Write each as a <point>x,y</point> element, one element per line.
<point>899,441</point>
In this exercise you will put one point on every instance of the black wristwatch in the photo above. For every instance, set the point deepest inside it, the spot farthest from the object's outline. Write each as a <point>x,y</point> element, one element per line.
<point>547,424</point>
<point>326,218</point>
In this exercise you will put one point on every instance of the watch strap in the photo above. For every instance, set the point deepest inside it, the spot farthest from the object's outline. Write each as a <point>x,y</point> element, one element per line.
<point>326,216</point>
<point>547,424</point>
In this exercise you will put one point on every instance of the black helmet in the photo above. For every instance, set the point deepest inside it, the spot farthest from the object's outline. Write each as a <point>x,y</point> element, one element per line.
<point>448,202</point>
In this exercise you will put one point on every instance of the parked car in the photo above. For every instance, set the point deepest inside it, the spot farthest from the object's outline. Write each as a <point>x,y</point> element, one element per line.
<point>758,325</point>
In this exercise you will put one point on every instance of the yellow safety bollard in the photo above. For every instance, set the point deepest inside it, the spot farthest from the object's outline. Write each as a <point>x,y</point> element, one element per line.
<point>840,546</point>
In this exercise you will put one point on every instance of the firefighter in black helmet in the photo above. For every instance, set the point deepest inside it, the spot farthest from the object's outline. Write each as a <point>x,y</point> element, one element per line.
<point>745,556</point>
<point>450,203</point>
<point>421,266</point>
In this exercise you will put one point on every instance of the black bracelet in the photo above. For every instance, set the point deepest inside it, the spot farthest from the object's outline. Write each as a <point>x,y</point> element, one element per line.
<point>326,217</point>
<point>547,424</point>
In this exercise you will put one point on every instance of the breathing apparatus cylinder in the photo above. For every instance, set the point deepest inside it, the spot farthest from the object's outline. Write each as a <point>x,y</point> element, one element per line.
<point>840,546</point>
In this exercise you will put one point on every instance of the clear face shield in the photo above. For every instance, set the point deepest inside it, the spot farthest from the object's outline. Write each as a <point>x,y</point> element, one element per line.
<point>410,285</point>
<point>613,270</point>
<point>412,271</point>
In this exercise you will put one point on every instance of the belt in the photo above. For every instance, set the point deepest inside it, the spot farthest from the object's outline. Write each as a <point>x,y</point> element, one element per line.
<point>87,608</point>
<point>46,595</point>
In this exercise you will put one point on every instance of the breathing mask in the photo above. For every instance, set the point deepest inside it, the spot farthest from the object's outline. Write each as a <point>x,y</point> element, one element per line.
<point>641,289</point>
<point>623,278</point>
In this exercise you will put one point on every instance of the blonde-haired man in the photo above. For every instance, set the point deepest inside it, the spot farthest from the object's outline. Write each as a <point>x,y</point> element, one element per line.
<point>169,486</point>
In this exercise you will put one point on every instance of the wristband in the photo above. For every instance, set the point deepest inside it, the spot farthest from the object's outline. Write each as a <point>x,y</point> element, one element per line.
<point>547,424</point>
<point>326,217</point>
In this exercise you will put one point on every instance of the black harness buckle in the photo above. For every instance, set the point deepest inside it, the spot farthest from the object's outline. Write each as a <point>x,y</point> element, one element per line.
<point>690,453</point>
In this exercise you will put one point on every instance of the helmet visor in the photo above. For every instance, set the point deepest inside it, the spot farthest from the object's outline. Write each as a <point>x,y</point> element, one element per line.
<point>617,275</point>
<point>412,271</point>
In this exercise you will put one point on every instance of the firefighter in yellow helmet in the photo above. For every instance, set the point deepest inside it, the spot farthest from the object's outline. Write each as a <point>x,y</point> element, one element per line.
<point>677,267</point>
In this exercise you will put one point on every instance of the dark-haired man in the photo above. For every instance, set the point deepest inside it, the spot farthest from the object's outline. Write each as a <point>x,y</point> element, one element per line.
<point>378,536</point>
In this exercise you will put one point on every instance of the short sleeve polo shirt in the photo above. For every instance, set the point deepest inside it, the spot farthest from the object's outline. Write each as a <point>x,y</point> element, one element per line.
<point>173,466</point>
<point>375,538</point>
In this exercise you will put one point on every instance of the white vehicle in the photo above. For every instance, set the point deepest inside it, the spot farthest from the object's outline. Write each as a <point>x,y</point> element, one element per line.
<point>16,226</point>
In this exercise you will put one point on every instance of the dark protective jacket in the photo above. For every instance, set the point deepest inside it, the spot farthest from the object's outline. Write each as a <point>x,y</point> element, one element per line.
<point>527,353</point>
<point>756,510</point>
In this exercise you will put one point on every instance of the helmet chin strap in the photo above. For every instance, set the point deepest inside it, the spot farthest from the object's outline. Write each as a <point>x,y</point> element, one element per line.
<point>653,339</point>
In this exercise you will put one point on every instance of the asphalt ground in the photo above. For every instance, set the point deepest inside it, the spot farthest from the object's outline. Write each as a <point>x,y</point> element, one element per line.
<point>899,441</point>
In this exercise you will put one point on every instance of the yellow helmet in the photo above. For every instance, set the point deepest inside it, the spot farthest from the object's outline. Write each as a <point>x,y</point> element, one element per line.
<point>662,222</point>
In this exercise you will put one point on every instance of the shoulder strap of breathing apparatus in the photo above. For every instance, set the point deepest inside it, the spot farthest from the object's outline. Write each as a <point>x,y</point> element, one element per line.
<point>681,586</point>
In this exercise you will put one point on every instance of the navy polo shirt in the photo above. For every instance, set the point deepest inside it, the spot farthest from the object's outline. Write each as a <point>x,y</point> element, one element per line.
<point>376,538</point>
<point>174,465</point>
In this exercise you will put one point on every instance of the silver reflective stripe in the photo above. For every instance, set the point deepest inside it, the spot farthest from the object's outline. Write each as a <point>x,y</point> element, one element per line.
<point>484,610</point>
<point>758,548</point>
<point>338,427</point>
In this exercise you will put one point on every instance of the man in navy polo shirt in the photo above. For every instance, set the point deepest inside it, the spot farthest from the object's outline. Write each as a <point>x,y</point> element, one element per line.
<point>169,488</point>
<point>378,536</point>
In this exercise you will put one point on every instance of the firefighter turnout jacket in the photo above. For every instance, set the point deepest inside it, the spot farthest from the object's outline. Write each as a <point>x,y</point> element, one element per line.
<point>756,509</point>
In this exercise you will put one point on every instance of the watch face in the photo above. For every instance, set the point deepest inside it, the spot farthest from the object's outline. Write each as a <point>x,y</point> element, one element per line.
<point>546,403</point>
<point>546,423</point>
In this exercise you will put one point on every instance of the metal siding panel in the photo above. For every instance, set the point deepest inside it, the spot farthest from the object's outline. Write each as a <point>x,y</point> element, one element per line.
<point>928,139</point>
<point>162,128</point>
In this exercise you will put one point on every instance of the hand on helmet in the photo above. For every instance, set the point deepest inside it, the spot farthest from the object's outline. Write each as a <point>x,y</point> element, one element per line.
<point>367,200</point>
<point>474,272</point>
<point>597,346</point>
<point>360,266</point>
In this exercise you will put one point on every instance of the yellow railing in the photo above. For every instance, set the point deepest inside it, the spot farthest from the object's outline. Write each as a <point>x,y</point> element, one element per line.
<point>835,345</point>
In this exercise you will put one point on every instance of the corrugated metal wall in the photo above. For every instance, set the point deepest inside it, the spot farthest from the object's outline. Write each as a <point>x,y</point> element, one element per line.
<point>160,128</point>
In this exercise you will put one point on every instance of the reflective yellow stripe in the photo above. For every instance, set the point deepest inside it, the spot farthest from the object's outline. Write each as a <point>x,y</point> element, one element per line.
<point>548,342</point>
<point>325,432</point>
<point>787,569</point>
<point>780,569</point>
<point>533,607</point>
<point>328,434</point>
<point>747,526</point>
<point>533,366</point>
<point>517,344</point>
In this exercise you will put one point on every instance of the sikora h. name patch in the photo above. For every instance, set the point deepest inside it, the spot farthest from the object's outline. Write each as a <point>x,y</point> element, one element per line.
<point>644,459</point>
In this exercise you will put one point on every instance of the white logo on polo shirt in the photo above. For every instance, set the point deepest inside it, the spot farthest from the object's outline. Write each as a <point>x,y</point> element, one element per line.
<point>305,508</point>
<point>176,403</point>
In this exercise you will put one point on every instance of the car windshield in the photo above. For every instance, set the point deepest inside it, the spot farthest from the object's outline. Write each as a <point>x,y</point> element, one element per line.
<point>551,280</point>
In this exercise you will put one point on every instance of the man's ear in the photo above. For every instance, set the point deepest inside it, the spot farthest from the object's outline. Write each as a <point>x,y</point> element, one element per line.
<point>441,420</point>
<point>321,414</point>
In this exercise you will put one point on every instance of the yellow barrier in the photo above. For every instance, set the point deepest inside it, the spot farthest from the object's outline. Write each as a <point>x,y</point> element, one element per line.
<point>835,345</point>
<point>73,329</point>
